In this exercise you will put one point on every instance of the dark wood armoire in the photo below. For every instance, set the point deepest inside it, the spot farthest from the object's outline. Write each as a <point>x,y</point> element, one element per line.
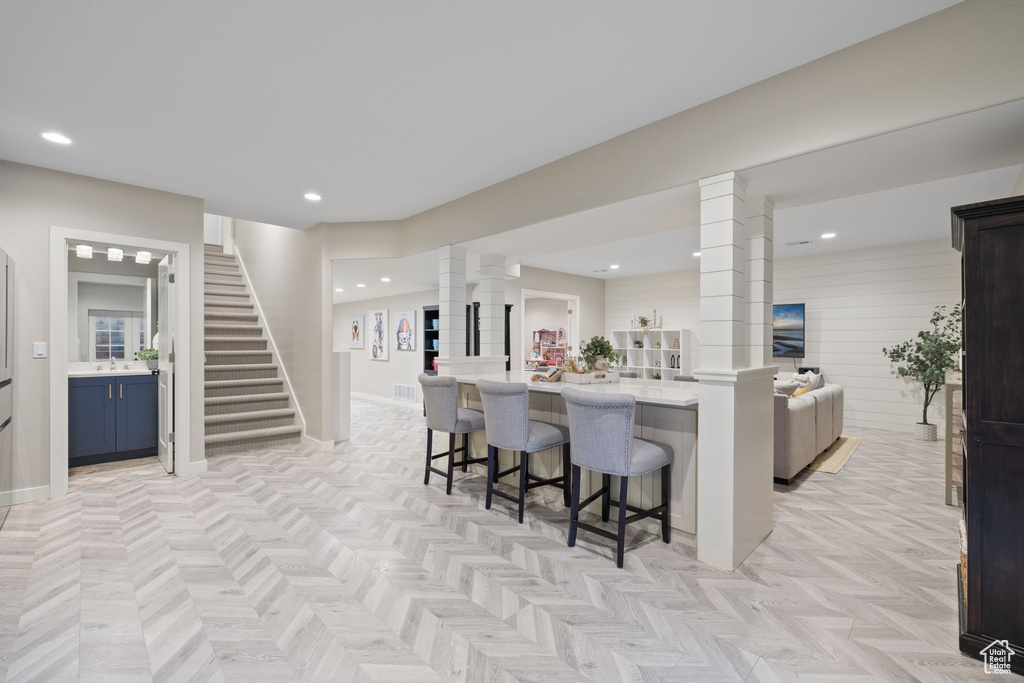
<point>990,236</point>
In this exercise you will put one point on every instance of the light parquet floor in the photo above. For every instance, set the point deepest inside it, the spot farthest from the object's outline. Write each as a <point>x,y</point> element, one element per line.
<point>288,565</point>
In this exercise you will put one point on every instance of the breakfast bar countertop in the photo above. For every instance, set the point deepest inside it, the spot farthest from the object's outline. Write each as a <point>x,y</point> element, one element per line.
<point>649,392</point>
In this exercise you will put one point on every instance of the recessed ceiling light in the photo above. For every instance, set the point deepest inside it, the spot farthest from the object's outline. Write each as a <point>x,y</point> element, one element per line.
<point>114,254</point>
<point>696,253</point>
<point>828,235</point>
<point>339,289</point>
<point>59,138</point>
<point>312,196</point>
<point>83,251</point>
<point>614,266</point>
<point>143,257</point>
<point>385,279</point>
<point>360,285</point>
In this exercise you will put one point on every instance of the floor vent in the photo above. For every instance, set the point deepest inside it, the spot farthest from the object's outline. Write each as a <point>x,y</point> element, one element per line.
<point>405,392</point>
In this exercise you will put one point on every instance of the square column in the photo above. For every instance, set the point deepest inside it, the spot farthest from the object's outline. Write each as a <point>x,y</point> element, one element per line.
<point>452,302</point>
<point>736,414</point>
<point>760,224</point>
<point>492,305</point>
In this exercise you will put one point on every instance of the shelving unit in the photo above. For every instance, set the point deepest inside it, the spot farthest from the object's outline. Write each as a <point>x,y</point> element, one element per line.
<point>430,314</point>
<point>663,352</point>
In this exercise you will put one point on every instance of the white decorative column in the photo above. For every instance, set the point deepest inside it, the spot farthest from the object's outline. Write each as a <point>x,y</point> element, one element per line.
<point>451,306</point>
<point>760,225</point>
<point>735,416</point>
<point>492,305</point>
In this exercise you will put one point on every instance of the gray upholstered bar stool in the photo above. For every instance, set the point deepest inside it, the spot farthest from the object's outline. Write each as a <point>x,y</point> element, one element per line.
<point>684,378</point>
<point>441,403</point>
<point>601,427</point>
<point>507,408</point>
<point>627,374</point>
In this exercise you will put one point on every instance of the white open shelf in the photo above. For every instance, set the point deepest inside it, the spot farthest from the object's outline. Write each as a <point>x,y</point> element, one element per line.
<point>664,352</point>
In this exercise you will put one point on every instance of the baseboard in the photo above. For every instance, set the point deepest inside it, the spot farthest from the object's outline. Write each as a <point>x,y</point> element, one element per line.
<point>389,401</point>
<point>183,469</point>
<point>322,446</point>
<point>19,496</point>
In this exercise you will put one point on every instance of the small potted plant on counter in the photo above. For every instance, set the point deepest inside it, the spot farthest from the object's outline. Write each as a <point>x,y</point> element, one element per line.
<point>595,357</point>
<point>926,358</point>
<point>151,356</point>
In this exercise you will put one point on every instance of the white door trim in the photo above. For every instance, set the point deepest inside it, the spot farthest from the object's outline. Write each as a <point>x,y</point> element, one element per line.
<point>59,238</point>
<point>525,294</point>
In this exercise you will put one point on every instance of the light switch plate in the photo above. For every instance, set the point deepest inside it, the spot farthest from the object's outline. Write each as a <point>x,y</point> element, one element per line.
<point>39,349</point>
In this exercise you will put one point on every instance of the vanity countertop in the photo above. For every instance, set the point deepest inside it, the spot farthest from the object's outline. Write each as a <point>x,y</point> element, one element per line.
<point>82,369</point>
<point>108,373</point>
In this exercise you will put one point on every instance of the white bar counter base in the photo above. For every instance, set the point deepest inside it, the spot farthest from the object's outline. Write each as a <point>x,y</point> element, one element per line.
<point>665,412</point>
<point>735,478</point>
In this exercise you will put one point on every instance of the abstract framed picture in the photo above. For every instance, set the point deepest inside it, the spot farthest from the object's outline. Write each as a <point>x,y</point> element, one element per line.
<point>357,331</point>
<point>378,322</point>
<point>405,331</point>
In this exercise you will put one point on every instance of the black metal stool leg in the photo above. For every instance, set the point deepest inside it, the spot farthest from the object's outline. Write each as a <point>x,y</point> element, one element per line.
<point>666,497</point>
<point>574,511</point>
<point>566,466</point>
<point>606,499</point>
<point>621,539</point>
<point>492,467</point>
<point>465,452</point>
<point>451,463</point>
<point>430,444</point>
<point>524,477</point>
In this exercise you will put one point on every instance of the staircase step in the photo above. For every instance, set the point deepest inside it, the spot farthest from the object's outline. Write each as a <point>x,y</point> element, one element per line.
<point>242,387</point>
<point>217,330</point>
<point>217,282</point>
<point>225,273</point>
<point>223,405</point>
<point>213,248</point>
<point>253,439</point>
<point>240,371</point>
<point>226,298</point>
<point>235,343</point>
<point>256,419</point>
<point>237,357</point>
<point>230,318</point>
<point>234,306</point>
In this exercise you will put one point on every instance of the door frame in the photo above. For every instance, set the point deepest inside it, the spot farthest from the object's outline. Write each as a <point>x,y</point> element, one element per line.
<point>58,351</point>
<point>574,299</point>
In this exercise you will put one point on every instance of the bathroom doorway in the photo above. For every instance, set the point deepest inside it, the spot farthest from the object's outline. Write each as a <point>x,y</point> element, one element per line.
<point>118,343</point>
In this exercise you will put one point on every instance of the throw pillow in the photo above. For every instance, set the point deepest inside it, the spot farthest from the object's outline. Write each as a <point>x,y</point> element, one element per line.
<point>801,391</point>
<point>786,388</point>
<point>815,381</point>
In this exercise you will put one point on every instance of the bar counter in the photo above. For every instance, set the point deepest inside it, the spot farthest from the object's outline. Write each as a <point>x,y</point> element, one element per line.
<point>666,412</point>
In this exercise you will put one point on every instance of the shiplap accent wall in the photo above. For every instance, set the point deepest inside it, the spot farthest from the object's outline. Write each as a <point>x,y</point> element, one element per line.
<point>857,302</point>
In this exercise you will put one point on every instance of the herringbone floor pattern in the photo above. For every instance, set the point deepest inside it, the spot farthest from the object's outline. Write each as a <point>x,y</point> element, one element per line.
<point>287,565</point>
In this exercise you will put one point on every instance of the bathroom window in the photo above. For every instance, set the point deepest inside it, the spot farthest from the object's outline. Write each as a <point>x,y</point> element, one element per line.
<point>116,335</point>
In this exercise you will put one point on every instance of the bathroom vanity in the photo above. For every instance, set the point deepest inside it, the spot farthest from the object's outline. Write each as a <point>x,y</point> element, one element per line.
<point>111,416</point>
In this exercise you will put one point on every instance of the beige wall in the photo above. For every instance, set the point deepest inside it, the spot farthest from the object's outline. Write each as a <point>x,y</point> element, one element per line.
<point>31,200</point>
<point>402,367</point>
<point>857,302</point>
<point>1018,188</point>
<point>290,276</point>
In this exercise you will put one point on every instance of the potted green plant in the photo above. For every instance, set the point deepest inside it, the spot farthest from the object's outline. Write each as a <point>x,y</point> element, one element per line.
<point>151,356</point>
<point>643,320</point>
<point>925,359</point>
<point>598,349</point>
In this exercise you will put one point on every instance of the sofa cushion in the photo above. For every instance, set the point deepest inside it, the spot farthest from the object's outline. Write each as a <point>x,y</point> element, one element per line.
<point>823,399</point>
<point>795,437</point>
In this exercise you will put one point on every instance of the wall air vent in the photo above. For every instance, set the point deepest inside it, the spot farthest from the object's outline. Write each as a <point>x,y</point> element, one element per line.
<point>404,392</point>
<point>794,244</point>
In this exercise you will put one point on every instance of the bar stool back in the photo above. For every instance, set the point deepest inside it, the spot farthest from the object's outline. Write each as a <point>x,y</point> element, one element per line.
<point>507,408</point>
<point>441,403</point>
<point>601,428</point>
<point>628,374</point>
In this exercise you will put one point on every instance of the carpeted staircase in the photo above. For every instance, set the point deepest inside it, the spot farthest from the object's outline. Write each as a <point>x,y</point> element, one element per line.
<point>247,405</point>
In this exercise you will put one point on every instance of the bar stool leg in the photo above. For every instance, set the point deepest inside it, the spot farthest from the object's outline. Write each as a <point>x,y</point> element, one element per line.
<point>566,466</point>
<point>492,467</point>
<point>574,511</point>
<point>451,463</point>
<point>524,477</point>
<point>465,452</point>
<point>430,444</point>
<point>621,540</point>
<point>666,498</point>
<point>606,499</point>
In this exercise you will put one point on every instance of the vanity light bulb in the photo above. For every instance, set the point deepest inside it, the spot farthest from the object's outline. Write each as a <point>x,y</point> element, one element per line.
<point>114,254</point>
<point>83,251</point>
<point>143,257</point>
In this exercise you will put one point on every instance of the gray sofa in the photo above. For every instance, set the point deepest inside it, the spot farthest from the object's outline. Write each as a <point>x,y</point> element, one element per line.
<point>804,427</point>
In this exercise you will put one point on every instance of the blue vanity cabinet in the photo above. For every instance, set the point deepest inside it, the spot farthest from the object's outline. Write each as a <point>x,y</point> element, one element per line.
<point>91,416</point>
<point>137,410</point>
<point>111,418</point>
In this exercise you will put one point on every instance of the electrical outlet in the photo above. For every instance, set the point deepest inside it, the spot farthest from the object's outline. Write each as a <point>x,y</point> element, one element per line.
<point>39,349</point>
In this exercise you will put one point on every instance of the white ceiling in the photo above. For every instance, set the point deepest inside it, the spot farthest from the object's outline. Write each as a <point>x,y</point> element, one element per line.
<point>385,108</point>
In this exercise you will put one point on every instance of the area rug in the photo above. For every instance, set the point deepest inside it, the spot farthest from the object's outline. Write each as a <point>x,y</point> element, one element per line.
<point>836,455</point>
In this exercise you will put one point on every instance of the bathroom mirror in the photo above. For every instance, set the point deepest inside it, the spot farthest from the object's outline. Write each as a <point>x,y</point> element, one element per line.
<point>110,317</point>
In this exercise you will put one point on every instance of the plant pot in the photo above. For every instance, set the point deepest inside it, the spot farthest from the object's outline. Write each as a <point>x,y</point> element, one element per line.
<point>925,432</point>
<point>153,364</point>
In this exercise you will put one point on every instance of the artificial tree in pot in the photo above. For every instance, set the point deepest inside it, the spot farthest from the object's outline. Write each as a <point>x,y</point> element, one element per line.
<point>926,358</point>
<point>597,348</point>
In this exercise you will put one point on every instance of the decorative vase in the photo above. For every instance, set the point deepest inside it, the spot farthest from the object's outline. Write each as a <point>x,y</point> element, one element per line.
<point>925,432</point>
<point>153,364</point>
